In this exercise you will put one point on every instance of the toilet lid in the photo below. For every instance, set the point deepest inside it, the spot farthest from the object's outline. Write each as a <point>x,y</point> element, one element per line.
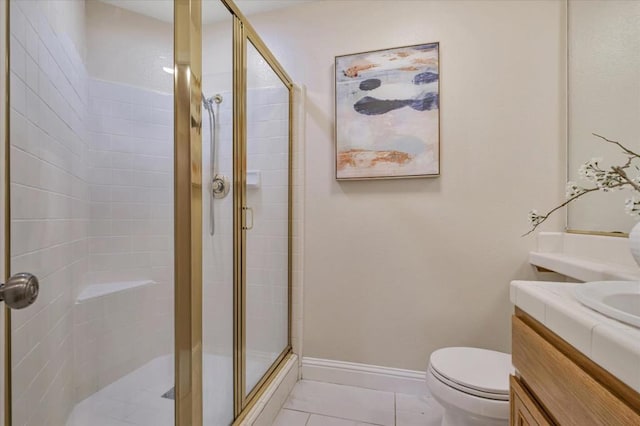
<point>473,368</point>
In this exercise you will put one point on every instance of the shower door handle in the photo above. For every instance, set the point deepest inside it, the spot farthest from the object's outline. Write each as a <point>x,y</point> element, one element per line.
<point>20,291</point>
<point>247,210</point>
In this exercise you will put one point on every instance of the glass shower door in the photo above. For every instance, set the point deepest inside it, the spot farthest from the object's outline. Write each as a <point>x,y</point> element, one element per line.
<point>91,208</point>
<point>246,196</point>
<point>96,177</point>
<point>217,213</point>
<point>267,219</point>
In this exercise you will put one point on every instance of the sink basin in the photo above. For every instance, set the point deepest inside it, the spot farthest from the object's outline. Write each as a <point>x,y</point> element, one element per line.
<point>619,300</point>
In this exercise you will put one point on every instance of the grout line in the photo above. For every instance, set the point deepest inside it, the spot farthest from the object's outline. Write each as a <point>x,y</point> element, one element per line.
<point>310,413</point>
<point>395,409</point>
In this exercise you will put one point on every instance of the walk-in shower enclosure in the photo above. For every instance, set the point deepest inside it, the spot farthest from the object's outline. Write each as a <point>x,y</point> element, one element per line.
<point>115,178</point>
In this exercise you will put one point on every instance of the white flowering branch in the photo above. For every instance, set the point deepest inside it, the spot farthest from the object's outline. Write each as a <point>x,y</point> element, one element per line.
<point>624,148</point>
<point>616,178</point>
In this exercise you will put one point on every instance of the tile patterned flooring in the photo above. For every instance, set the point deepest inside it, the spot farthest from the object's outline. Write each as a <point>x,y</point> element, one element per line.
<point>135,400</point>
<point>325,404</point>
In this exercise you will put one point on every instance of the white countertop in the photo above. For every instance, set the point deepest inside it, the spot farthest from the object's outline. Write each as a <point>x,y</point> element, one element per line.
<point>584,269</point>
<point>611,344</point>
<point>585,257</point>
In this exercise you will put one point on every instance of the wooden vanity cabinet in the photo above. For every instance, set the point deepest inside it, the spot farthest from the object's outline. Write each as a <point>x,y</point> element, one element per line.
<point>525,411</point>
<point>558,385</point>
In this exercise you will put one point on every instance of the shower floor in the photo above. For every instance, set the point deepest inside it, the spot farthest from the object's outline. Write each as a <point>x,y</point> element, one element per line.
<point>137,398</point>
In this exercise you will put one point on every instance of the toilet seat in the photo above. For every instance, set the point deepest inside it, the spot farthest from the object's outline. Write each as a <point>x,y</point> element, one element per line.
<point>479,372</point>
<point>476,410</point>
<point>466,389</point>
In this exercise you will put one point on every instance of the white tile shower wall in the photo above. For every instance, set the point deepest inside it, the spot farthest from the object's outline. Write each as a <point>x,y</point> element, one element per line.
<point>217,264</point>
<point>49,207</point>
<point>266,281</point>
<point>130,182</point>
<point>217,278</point>
<point>267,242</point>
<point>130,233</point>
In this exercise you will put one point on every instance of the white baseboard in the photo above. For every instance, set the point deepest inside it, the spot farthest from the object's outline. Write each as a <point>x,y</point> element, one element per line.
<point>364,376</point>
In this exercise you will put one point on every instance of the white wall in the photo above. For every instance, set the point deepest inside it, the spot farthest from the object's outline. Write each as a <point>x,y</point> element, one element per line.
<point>604,98</point>
<point>66,18</point>
<point>396,269</point>
<point>128,47</point>
<point>217,51</point>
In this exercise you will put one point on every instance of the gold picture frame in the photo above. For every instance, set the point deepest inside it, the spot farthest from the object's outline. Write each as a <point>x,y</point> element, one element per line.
<point>387,113</point>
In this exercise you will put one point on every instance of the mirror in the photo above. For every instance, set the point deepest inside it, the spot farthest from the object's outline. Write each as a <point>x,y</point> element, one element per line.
<point>604,98</point>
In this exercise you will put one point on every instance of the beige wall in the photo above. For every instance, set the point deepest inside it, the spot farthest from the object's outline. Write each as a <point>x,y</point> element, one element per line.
<point>396,269</point>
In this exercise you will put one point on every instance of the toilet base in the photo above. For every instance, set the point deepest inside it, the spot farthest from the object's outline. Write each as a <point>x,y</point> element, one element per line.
<point>462,409</point>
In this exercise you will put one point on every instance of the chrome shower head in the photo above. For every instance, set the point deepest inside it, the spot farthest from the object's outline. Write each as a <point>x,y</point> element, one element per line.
<point>208,102</point>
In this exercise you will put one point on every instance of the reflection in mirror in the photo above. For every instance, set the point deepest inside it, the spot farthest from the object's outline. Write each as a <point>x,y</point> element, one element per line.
<point>604,98</point>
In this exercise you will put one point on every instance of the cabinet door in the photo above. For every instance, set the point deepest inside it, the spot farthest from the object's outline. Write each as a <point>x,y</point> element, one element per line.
<point>520,415</point>
<point>525,411</point>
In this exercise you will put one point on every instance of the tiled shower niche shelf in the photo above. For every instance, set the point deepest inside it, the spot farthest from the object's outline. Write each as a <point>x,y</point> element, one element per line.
<point>94,291</point>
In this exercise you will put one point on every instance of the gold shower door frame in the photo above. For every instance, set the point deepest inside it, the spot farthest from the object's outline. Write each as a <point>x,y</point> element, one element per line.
<point>188,227</point>
<point>187,55</point>
<point>188,212</point>
<point>244,33</point>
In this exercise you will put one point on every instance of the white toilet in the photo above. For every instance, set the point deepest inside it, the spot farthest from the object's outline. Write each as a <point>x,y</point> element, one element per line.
<point>472,385</point>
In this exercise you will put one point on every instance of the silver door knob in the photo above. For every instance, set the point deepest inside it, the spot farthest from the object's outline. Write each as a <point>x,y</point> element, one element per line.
<point>20,291</point>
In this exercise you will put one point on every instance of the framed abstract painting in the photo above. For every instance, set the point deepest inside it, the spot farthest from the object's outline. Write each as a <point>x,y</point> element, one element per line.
<point>388,113</point>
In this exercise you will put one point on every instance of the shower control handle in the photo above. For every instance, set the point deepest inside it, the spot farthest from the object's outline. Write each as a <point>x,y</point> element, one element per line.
<point>220,186</point>
<point>20,291</point>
